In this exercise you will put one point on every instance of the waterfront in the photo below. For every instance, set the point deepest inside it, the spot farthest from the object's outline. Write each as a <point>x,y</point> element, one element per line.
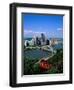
<point>43,44</point>
<point>37,54</point>
<point>41,54</point>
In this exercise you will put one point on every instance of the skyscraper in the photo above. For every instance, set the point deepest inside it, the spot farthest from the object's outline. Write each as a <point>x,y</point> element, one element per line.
<point>43,39</point>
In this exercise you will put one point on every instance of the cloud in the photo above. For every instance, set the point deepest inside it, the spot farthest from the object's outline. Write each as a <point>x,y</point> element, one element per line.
<point>33,32</point>
<point>59,29</point>
<point>28,31</point>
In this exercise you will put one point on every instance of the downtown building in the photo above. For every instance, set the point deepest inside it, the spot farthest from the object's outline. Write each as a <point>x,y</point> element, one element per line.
<point>42,40</point>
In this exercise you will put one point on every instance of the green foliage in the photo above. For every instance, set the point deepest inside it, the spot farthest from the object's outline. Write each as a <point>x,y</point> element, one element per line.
<point>57,62</point>
<point>28,65</point>
<point>57,57</point>
<point>53,70</point>
<point>36,69</point>
<point>32,67</point>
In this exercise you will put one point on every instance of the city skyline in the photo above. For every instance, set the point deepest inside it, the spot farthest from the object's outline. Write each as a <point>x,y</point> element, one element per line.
<point>50,25</point>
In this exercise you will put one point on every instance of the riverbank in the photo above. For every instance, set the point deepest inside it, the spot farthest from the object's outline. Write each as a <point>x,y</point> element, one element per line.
<point>32,67</point>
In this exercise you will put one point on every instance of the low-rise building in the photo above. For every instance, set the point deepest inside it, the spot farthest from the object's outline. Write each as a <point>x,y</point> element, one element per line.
<point>53,41</point>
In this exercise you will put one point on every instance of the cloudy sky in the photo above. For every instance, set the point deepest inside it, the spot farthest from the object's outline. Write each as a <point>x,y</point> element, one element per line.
<point>50,25</point>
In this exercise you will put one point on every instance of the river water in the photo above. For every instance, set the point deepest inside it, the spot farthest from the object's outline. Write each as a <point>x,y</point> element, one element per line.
<point>38,54</point>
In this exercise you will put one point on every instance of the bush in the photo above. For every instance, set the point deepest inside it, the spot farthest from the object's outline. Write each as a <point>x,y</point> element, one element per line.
<point>32,67</point>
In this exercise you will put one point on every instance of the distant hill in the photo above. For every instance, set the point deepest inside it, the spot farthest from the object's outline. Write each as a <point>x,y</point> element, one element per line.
<point>28,39</point>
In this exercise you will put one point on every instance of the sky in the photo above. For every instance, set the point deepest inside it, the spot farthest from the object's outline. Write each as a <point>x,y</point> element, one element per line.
<point>35,24</point>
